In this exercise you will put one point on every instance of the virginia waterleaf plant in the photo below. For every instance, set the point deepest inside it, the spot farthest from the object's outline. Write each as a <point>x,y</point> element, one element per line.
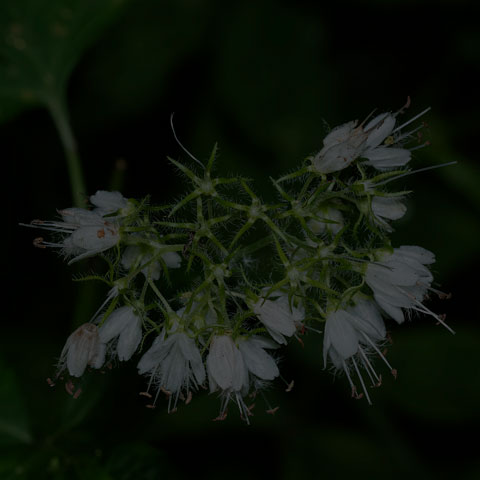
<point>332,270</point>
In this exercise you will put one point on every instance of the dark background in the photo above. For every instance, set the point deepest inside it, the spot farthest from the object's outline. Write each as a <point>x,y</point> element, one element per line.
<point>263,79</point>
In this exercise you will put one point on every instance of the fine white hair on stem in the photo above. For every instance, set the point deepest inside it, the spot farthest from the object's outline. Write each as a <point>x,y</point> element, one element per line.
<point>180,143</point>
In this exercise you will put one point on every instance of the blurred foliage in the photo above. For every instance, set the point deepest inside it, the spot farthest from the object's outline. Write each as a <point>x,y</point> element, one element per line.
<point>262,79</point>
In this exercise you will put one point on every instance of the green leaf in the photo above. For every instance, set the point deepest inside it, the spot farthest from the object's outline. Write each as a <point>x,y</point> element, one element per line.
<point>42,41</point>
<point>14,423</point>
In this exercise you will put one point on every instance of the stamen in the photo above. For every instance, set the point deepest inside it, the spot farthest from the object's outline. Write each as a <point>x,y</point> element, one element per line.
<point>377,350</point>
<point>411,172</point>
<point>352,385</point>
<point>408,122</point>
<point>361,380</point>
<point>422,308</point>
<point>418,147</point>
<point>369,365</point>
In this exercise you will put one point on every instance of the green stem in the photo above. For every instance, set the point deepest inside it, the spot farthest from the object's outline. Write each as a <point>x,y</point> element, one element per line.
<point>58,110</point>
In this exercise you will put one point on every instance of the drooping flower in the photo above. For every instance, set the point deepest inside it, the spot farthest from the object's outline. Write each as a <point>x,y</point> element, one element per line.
<point>83,347</point>
<point>86,233</point>
<point>175,366</point>
<point>233,366</point>
<point>122,328</point>
<point>279,317</point>
<point>400,280</point>
<point>350,335</point>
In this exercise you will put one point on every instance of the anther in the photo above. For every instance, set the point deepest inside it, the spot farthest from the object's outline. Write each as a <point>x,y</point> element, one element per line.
<point>38,242</point>
<point>145,394</point>
<point>272,411</point>
<point>290,386</point>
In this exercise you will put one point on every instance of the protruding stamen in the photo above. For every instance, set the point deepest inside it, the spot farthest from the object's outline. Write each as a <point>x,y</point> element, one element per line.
<point>382,356</point>
<point>369,368</point>
<point>408,122</point>
<point>361,381</point>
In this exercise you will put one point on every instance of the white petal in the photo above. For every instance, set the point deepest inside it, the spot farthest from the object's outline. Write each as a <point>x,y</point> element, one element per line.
<point>95,238</point>
<point>379,129</point>
<point>108,202</point>
<point>387,157</point>
<point>257,360</point>
<point>388,207</point>
<point>335,158</point>
<point>368,319</point>
<point>393,311</point>
<point>117,321</point>
<point>172,259</point>
<point>221,361</point>
<point>340,334</point>
<point>339,134</point>
<point>418,253</point>
<point>129,339</point>
<point>81,217</point>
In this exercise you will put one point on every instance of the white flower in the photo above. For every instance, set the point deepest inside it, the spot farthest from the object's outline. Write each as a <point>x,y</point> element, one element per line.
<point>108,202</point>
<point>350,335</point>
<point>383,147</point>
<point>87,233</point>
<point>333,224</point>
<point>135,256</point>
<point>83,347</point>
<point>125,326</point>
<point>174,364</point>
<point>225,366</point>
<point>229,367</point>
<point>401,280</point>
<point>279,317</point>
<point>387,208</point>
<point>340,148</point>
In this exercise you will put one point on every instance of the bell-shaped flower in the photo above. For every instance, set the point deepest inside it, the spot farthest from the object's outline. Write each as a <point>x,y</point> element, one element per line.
<point>279,317</point>
<point>400,280</point>
<point>123,329</point>
<point>350,335</point>
<point>174,364</point>
<point>86,233</point>
<point>83,347</point>
<point>232,366</point>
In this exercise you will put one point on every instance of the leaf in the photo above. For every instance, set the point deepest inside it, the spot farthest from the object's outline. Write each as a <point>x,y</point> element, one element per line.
<point>41,42</point>
<point>14,423</point>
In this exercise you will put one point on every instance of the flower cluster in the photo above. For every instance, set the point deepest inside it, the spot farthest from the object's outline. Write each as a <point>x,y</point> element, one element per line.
<point>319,259</point>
